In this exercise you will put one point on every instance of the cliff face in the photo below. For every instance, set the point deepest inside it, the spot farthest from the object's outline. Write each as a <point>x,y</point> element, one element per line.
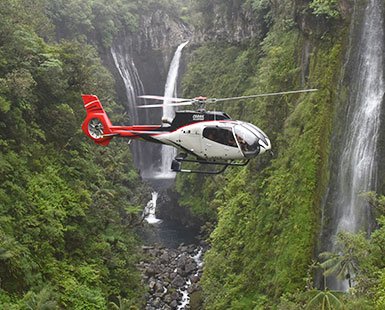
<point>152,46</point>
<point>161,31</point>
<point>232,21</point>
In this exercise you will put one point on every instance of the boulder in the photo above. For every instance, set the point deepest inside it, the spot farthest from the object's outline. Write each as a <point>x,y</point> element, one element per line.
<point>159,288</point>
<point>194,279</point>
<point>178,281</point>
<point>174,304</point>
<point>190,267</point>
<point>157,303</point>
<point>150,271</point>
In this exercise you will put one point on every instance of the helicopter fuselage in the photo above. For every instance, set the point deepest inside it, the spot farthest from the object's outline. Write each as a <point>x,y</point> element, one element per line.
<point>218,140</point>
<point>208,136</point>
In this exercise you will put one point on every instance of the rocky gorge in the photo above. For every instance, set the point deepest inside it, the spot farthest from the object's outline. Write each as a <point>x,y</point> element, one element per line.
<point>172,276</point>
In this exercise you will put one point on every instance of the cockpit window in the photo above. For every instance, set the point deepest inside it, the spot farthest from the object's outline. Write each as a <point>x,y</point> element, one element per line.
<point>247,141</point>
<point>220,135</point>
<point>258,132</point>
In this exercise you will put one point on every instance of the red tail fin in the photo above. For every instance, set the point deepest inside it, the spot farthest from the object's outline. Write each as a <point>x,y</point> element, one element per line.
<point>96,125</point>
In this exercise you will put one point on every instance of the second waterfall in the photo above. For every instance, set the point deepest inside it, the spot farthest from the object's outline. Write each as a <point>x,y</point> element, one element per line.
<point>354,167</point>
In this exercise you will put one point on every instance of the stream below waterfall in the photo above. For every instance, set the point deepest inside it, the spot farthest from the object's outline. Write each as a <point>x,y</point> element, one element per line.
<point>173,261</point>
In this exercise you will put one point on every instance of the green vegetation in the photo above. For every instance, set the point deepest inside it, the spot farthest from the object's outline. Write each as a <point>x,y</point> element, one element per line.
<point>67,207</point>
<point>268,213</point>
<point>359,260</point>
<point>344,264</point>
<point>267,218</point>
<point>100,21</point>
<point>328,8</point>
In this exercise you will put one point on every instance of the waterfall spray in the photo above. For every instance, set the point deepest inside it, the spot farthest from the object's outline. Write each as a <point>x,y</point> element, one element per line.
<point>150,210</point>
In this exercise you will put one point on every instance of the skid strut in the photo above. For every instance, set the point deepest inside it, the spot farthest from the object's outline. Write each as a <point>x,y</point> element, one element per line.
<point>176,165</point>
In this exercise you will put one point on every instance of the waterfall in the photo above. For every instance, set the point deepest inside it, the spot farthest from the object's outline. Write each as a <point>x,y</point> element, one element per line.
<point>357,167</point>
<point>355,170</point>
<point>144,154</point>
<point>168,152</point>
<point>358,161</point>
<point>133,87</point>
<point>146,157</point>
<point>150,209</point>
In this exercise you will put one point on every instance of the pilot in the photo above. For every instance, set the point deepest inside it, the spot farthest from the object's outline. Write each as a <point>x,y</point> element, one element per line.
<point>242,143</point>
<point>210,135</point>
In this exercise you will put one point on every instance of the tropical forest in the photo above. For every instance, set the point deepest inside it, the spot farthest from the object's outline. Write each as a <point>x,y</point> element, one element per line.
<point>94,215</point>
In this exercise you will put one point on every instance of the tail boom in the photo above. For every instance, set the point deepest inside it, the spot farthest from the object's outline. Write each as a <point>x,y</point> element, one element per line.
<point>99,128</point>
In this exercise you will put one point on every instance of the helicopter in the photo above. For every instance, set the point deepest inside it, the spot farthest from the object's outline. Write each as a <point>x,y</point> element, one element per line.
<point>208,138</point>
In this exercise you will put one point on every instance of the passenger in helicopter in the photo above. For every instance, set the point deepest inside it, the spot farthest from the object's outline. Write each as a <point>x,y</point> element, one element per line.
<point>231,140</point>
<point>220,135</point>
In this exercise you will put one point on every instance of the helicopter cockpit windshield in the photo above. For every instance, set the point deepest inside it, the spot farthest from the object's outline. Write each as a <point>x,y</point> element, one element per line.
<point>247,141</point>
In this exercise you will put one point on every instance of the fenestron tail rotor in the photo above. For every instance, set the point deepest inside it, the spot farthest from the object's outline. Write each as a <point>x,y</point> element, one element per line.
<point>200,101</point>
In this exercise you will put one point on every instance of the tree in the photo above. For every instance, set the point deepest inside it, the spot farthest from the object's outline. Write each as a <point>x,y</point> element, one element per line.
<point>345,262</point>
<point>328,8</point>
<point>325,300</point>
<point>122,304</point>
<point>44,300</point>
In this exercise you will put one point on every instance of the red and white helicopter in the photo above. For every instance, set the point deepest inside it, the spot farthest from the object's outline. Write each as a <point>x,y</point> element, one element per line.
<point>211,137</point>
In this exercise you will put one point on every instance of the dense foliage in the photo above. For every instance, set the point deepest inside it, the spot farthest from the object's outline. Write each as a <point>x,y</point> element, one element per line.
<point>100,21</point>
<point>267,218</point>
<point>268,214</point>
<point>67,207</point>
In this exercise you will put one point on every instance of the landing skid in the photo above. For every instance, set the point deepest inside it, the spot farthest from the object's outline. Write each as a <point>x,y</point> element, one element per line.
<point>176,165</point>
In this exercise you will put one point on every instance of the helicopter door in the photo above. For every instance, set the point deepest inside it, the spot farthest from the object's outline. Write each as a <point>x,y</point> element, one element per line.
<point>219,142</point>
<point>190,139</point>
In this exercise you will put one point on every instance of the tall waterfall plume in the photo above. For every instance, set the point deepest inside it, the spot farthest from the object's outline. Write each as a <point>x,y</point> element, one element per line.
<point>168,152</point>
<point>357,167</point>
<point>355,170</point>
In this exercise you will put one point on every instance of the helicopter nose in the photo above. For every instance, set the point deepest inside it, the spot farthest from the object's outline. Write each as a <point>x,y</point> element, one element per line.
<point>264,144</point>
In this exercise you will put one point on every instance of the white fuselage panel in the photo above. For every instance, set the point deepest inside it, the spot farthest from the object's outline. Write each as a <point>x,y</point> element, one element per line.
<point>190,138</point>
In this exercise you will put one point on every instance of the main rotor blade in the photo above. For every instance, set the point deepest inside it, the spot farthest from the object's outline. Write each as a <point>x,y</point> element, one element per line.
<point>263,95</point>
<point>177,104</point>
<point>161,98</point>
